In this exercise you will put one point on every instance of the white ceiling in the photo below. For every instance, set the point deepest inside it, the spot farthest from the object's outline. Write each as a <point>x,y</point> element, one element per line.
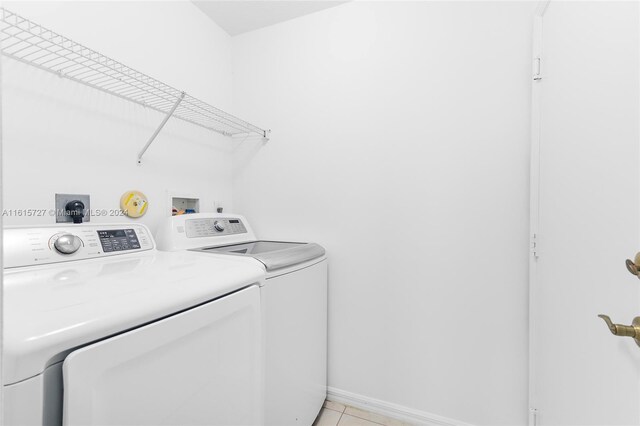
<point>239,16</point>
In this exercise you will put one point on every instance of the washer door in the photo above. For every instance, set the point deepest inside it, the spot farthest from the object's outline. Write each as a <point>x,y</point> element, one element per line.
<point>199,367</point>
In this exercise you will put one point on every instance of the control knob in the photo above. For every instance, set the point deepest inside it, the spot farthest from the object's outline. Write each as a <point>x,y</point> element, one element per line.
<point>67,243</point>
<point>218,225</point>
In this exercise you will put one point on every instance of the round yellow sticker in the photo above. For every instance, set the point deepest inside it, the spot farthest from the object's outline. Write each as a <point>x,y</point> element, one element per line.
<point>134,203</point>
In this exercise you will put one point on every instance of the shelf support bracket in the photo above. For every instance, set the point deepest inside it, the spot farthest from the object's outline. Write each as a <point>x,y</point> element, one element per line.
<point>164,121</point>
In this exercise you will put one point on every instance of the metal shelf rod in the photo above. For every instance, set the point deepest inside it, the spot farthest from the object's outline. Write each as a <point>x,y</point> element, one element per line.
<point>164,121</point>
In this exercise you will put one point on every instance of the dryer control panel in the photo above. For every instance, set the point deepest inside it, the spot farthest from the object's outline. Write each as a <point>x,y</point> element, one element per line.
<point>53,244</point>
<point>118,240</point>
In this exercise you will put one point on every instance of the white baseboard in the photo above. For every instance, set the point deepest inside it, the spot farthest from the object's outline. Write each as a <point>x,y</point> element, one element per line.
<point>389,409</point>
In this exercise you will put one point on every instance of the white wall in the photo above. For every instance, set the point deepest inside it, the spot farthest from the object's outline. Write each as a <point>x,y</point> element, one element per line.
<point>400,142</point>
<point>63,137</point>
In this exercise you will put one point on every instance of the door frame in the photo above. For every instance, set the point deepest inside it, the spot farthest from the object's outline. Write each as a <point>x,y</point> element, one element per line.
<point>534,188</point>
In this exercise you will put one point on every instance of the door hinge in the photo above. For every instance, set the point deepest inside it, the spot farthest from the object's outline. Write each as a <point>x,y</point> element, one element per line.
<point>534,245</point>
<point>533,416</point>
<point>537,68</point>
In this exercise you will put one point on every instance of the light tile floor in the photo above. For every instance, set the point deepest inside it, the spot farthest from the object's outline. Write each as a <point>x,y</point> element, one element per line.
<point>335,414</point>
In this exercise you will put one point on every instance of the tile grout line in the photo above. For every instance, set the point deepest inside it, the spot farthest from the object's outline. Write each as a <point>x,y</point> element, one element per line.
<point>358,417</point>
<point>344,411</point>
<point>368,420</point>
<point>362,418</point>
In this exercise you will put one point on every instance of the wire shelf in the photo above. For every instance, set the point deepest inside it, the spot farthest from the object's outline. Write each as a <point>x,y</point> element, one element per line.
<point>28,42</point>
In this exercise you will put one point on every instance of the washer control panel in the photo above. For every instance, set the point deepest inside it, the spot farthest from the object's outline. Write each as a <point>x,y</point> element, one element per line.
<point>211,227</point>
<point>53,244</point>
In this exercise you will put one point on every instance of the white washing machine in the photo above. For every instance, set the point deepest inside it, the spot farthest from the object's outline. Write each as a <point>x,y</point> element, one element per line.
<point>101,328</point>
<point>294,308</point>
